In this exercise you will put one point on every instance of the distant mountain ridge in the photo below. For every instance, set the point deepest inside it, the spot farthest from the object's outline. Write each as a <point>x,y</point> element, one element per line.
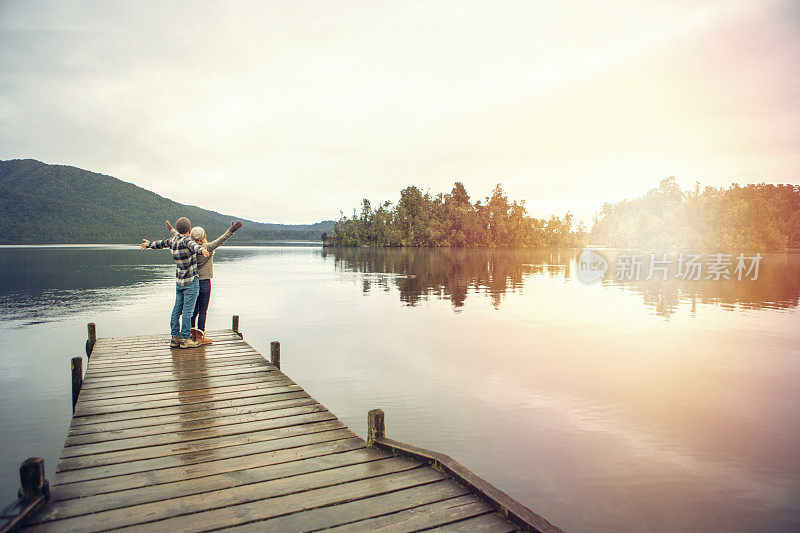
<point>53,204</point>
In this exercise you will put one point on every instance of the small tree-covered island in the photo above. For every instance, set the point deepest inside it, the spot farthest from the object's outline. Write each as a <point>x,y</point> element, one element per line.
<point>757,216</point>
<point>420,219</point>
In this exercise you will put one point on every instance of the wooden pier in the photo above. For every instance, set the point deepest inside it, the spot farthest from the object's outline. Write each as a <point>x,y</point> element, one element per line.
<point>218,437</point>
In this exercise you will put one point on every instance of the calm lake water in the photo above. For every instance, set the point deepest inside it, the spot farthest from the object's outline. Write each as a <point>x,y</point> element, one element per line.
<point>614,406</point>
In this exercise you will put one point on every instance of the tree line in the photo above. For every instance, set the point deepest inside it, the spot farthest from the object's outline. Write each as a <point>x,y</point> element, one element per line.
<point>453,220</point>
<point>756,216</point>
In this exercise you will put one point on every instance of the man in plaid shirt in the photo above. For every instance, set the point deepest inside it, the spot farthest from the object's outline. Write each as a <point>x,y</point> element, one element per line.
<point>187,284</point>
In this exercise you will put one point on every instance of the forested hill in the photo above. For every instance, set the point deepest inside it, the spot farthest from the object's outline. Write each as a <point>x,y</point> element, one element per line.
<point>43,204</point>
<point>757,215</point>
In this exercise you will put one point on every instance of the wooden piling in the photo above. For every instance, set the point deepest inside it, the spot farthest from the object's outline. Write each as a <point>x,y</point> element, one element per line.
<point>32,482</point>
<point>91,340</point>
<point>275,353</point>
<point>77,379</point>
<point>34,491</point>
<point>235,326</point>
<point>375,426</point>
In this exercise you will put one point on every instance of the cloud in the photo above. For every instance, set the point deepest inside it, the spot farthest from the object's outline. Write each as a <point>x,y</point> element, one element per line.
<point>291,112</point>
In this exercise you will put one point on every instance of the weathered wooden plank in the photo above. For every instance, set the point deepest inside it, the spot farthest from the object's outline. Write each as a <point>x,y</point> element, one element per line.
<point>487,522</point>
<point>294,437</point>
<point>204,445</point>
<point>152,425</point>
<point>294,392</point>
<point>107,352</point>
<point>181,428</point>
<point>159,343</point>
<point>314,445</point>
<point>163,349</point>
<point>148,472</point>
<point>296,502</point>
<point>410,514</point>
<point>277,380</point>
<point>186,372</point>
<point>173,376</point>
<point>165,353</point>
<point>373,477</point>
<point>206,484</point>
<point>194,364</point>
<point>165,335</point>
<point>151,442</point>
<point>169,355</point>
<point>358,514</point>
<point>211,383</point>
<point>141,390</point>
<point>275,387</point>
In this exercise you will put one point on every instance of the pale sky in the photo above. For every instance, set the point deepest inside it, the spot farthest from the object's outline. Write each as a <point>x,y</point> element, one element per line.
<point>292,111</point>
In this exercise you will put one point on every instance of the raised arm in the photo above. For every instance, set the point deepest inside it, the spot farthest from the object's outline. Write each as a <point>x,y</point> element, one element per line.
<point>171,229</point>
<point>224,237</point>
<point>154,244</point>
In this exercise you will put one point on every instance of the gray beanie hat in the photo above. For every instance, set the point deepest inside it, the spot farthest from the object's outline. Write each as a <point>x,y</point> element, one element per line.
<point>197,233</point>
<point>182,225</point>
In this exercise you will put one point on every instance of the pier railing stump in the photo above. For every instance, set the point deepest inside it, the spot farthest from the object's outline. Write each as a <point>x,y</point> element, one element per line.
<point>76,369</point>
<point>275,354</point>
<point>91,340</point>
<point>32,482</point>
<point>235,326</point>
<point>34,491</point>
<point>376,428</point>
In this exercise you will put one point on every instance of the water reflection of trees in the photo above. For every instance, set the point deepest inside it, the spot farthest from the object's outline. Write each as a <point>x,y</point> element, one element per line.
<point>777,287</point>
<point>449,273</point>
<point>453,273</point>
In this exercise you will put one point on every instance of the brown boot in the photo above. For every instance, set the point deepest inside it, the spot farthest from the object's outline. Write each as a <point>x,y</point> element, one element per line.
<point>202,339</point>
<point>189,343</point>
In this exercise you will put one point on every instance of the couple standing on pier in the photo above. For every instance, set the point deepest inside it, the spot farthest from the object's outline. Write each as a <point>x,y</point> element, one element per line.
<point>193,256</point>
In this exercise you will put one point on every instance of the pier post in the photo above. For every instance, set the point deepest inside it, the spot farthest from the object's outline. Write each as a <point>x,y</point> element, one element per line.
<point>77,379</point>
<point>32,482</point>
<point>235,325</point>
<point>376,428</point>
<point>91,339</point>
<point>275,354</point>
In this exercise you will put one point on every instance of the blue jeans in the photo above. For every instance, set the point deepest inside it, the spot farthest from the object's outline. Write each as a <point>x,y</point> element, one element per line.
<point>185,298</point>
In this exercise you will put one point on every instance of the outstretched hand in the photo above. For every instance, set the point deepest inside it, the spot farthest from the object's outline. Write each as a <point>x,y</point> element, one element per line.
<point>169,226</point>
<point>144,244</point>
<point>236,225</point>
<point>204,252</point>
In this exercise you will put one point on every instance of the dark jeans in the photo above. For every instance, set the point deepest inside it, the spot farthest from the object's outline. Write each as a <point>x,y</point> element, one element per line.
<point>201,307</point>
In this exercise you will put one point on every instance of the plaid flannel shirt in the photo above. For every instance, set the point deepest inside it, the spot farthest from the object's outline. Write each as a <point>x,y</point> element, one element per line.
<point>183,252</point>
